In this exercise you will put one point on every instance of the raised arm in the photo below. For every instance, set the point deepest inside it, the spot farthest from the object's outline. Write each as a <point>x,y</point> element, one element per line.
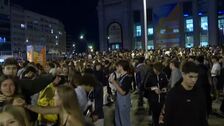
<point>43,110</point>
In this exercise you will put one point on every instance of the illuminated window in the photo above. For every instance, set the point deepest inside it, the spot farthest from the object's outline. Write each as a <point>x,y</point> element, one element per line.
<point>204,40</point>
<point>22,26</point>
<point>150,44</point>
<point>176,30</point>
<point>2,39</point>
<point>189,26</point>
<point>221,22</point>
<point>189,41</point>
<point>162,31</point>
<point>138,45</point>
<point>56,37</point>
<point>52,31</point>
<point>204,23</point>
<point>138,31</point>
<point>150,31</point>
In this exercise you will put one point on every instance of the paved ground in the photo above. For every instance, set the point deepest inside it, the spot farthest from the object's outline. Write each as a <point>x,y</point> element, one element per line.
<point>140,117</point>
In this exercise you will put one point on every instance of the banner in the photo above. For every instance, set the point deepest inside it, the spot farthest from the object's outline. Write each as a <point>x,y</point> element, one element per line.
<point>36,54</point>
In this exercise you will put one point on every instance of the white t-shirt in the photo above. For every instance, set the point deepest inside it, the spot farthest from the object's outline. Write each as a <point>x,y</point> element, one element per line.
<point>216,69</point>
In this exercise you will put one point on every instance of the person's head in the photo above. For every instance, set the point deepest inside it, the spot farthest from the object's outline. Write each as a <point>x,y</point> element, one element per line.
<point>174,64</point>
<point>98,66</point>
<point>74,78</point>
<point>200,59</point>
<point>10,67</point>
<point>30,72</point>
<point>66,98</point>
<point>215,59</point>
<point>122,66</point>
<point>141,59</point>
<point>11,116</point>
<point>189,71</point>
<point>7,86</point>
<point>88,81</point>
<point>65,69</point>
<point>158,67</point>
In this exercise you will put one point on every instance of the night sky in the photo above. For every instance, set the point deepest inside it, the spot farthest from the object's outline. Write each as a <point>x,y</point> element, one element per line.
<point>78,16</point>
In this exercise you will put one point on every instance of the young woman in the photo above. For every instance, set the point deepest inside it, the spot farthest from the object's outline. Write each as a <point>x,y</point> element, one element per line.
<point>67,107</point>
<point>123,97</point>
<point>13,116</point>
<point>9,92</point>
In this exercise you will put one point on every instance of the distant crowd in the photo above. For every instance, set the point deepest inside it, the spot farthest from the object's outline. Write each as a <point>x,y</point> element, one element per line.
<point>179,84</point>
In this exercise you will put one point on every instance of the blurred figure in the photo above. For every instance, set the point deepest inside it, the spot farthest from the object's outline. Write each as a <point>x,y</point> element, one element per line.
<point>67,107</point>
<point>13,116</point>
<point>175,74</point>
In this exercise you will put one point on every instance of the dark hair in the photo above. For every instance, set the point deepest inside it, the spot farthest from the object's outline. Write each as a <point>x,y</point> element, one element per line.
<point>89,80</point>
<point>175,63</point>
<point>189,67</point>
<point>158,66</point>
<point>3,78</point>
<point>125,65</point>
<point>141,59</point>
<point>215,57</point>
<point>10,61</point>
<point>200,59</point>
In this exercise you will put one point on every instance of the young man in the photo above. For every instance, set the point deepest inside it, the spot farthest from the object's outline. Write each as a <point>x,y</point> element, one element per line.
<point>28,87</point>
<point>156,86</point>
<point>185,104</point>
<point>123,96</point>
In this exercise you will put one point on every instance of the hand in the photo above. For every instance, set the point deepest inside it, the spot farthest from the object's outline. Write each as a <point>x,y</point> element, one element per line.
<point>18,102</point>
<point>157,91</point>
<point>95,118</point>
<point>111,78</point>
<point>3,98</point>
<point>57,80</point>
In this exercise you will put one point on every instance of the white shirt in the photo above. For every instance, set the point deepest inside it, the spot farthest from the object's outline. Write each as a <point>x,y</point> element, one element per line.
<point>82,97</point>
<point>216,69</point>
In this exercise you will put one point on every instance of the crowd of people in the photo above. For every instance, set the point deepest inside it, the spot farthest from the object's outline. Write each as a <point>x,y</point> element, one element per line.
<point>179,84</point>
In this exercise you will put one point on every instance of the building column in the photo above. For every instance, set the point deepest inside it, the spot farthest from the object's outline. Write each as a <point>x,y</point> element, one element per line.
<point>181,26</point>
<point>212,23</point>
<point>196,23</point>
<point>102,29</point>
<point>126,25</point>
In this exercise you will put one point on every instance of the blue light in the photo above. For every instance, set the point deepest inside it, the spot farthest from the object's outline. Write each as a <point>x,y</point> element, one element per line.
<point>2,39</point>
<point>221,12</point>
<point>186,15</point>
<point>200,13</point>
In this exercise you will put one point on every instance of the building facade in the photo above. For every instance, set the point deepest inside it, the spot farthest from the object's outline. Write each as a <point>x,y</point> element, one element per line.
<point>20,27</point>
<point>30,28</point>
<point>170,23</point>
<point>5,25</point>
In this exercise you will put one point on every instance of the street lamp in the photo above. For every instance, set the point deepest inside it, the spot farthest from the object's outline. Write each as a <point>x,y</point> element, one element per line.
<point>145,26</point>
<point>81,37</point>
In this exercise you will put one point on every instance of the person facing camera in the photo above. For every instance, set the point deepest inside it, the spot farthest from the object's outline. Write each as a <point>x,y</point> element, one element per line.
<point>186,103</point>
<point>9,93</point>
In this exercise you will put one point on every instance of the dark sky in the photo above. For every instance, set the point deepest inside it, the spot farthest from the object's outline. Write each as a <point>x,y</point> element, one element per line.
<point>78,16</point>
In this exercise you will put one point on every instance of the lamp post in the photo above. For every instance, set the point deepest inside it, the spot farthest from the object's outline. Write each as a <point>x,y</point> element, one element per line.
<point>145,26</point>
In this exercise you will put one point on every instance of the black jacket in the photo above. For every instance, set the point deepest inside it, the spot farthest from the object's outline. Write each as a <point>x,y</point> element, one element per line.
<point>160,82</point>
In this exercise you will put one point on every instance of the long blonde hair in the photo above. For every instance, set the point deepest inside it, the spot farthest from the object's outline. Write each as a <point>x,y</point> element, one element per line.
<point>18,113</point>
<point>70,102</point>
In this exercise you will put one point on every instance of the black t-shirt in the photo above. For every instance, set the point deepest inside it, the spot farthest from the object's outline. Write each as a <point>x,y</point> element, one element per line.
<point>126,83</point>
<point>185,108</point>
